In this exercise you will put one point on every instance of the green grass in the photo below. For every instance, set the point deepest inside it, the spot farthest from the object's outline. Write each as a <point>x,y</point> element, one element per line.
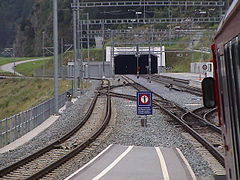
<point>27,69</point>
<point>95,55</point>
<point>180,62</point>
<point>3,73</point>
<point>17,95</point>
<point>179,45</point>
<point>6,60</point>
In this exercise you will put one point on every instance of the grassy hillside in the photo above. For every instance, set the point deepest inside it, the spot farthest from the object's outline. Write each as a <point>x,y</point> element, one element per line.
<point>6,60</point>
<point>27,69</point>
<point>180,62</point>
<point>17,95</point>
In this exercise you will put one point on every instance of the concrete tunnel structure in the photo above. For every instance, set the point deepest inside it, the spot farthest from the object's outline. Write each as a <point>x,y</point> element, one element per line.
<point>124,61</point>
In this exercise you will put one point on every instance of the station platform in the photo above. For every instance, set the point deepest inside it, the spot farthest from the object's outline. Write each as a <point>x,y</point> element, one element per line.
<point>119,162</point>
<point>194,79</point>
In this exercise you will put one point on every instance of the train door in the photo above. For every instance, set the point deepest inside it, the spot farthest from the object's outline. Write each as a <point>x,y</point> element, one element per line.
<point>232,65</point>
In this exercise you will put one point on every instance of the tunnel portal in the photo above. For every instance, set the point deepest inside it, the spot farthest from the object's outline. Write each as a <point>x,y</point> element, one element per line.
<point>127,64</point>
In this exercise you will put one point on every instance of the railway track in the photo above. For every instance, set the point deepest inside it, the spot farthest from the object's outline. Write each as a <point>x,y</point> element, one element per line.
<point>208,114</point>
<point>206,133</point>
<point>177,84</point>
<point>46,160</point>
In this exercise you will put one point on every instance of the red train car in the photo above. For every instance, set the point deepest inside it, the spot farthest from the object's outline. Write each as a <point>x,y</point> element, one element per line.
<point>226,95</point>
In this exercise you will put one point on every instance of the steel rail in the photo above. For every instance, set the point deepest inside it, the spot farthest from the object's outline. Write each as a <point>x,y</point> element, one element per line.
<point>178,85</point>
<point>78,149</point>
<point>39,153</point>
<point>206,112</point>
<point>191,131</point>
<point>209,112</point>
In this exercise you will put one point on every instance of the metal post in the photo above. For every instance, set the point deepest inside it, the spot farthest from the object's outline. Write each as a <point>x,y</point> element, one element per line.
<point>75,50</point>
<point>112,54</point>
<point>137,20</point>
<point>103,53</point>
<point>149,63</point>
<point>43,43</point>
<point>145,131</point>
<point>152,26</point>
<point>43,50</point>
<point>79,45</point>
<point>55,39</point>
<point>137,55</point>
<point>62,51</point>
<point>88,45</point>
<point>221,10</point>
<point>144,12</point>
<point>14,60</point>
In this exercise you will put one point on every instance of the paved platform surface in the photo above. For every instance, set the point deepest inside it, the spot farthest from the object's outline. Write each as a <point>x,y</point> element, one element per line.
<point>136,163</point>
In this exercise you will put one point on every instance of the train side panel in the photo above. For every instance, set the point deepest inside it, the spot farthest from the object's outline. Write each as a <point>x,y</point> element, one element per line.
<point>227,53</point>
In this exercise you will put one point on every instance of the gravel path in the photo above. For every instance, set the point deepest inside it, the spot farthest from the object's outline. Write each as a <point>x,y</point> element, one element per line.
<point>68,120</point>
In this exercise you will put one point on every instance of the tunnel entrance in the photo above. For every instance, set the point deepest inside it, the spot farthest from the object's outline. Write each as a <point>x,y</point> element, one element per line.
<point>127,64</point>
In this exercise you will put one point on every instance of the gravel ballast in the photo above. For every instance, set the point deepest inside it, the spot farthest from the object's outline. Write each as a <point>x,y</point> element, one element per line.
<point>159,132</point>
<point>183,99</point>
<point>127,129</point>
<point>67,121</point>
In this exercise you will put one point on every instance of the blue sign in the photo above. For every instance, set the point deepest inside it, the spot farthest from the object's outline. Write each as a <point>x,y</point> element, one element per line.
<point>144,103</point>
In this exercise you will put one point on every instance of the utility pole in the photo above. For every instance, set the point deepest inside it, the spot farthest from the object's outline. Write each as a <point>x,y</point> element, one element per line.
<point>112,53</point>
<point>75,50</point>
<point>149,62</point>
<point>88,45</point>
<point>43,43</point>
<point>137,56</point>
<point>144,12</point>
<point>62,52</point>
<point>43,50</point>
<point>55,39</point>
<point>103,53</point>
<point>14,60</point>
<point>79,45</point>
<point>138,13</point>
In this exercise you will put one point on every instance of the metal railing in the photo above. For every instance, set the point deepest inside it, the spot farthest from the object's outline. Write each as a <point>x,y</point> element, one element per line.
<point>18,125</point>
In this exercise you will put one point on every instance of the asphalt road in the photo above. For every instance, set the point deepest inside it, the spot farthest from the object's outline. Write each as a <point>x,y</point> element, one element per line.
<point>10,67</point>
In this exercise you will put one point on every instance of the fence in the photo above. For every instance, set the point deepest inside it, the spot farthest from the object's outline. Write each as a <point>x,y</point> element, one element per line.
<point>16,126</point>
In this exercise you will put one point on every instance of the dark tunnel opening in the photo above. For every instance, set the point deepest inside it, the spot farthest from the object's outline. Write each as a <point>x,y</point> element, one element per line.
<point>127,64</point>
